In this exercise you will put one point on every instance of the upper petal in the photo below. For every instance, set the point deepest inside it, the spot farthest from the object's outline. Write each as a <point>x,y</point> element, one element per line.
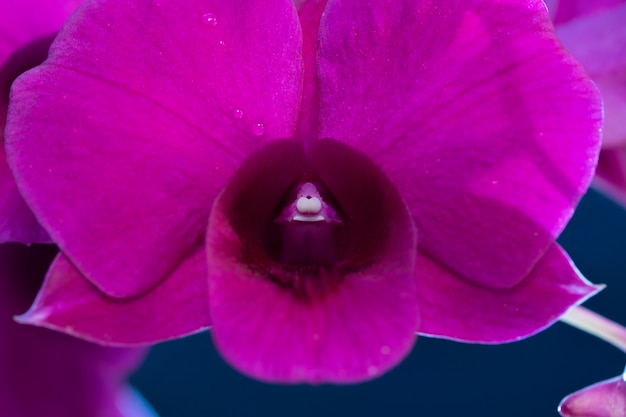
<point>122,138</point>
<point>487,127</point>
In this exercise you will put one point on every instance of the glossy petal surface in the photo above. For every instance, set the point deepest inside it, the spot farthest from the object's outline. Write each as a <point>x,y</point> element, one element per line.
<point>469,108</point>
<point>345,323</point>
<point>45,373</point>
<point>604,399</point>
<point>457,309</point>
<point>126,200</point>
<point>69,303</point>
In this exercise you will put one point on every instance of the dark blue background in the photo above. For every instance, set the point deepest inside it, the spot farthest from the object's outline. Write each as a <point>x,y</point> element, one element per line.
<point>187,378</point>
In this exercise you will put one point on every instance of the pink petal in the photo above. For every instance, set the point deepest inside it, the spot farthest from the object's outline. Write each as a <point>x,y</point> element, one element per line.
<point>598,41</point>
<point>487,128</point>
<point>552,6</point>
<point>566,10</point>
<point>17,222</point>
<point>457,309</point>
<point>310,13</point>
<point>45,373</point>
<point>26,31</point>
<point>142,125</point>
<point>24,21</point>
<point>345,323</point>
<point>604,399</point>
<point>175,308</point>
<point>611,174</point>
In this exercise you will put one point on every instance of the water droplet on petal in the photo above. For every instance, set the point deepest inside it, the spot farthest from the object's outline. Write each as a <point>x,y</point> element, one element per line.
<point>209,19</point>
<point>258,129</point>
<point>237,113</point>
<point>385,350</point>
<point>372,370</point>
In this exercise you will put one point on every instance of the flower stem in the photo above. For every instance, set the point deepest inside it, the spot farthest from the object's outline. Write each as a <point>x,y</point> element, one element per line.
<point>596,325</point>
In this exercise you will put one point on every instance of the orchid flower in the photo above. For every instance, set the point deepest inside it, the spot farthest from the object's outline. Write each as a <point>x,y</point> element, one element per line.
<point>594,31</point>
<point>317,183</point>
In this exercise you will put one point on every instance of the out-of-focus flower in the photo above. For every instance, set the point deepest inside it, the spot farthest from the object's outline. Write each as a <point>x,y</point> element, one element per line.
<point>45,373</point>
<point>26,30</point>
<point>604,399</point>
<point>594,31</point>
<point>263,169</point>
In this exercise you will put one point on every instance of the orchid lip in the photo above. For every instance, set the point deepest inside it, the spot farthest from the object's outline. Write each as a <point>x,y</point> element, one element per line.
<point>336,295</point>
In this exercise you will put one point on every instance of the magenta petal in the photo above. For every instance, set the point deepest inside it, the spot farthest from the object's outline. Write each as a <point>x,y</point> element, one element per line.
<point>487,128</point>
<point>26,20</point>
<point>343,323</point>
<point>17,222</point>
<point>598,41</point>
<point>604,399</point>
<point>566,10</point>
<point>611,174</point>
<point>26,30</point>
<point>121,140</point>
<point>310,14</point>
<point>177,307</point>
<point>454,308</point>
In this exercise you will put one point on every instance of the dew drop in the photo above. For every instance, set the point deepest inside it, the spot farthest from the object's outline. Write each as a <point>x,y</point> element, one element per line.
<point>385,350</point>
<point>258,129</point>
<point>237,113</point>
<point>372,370</point>
<point>209,19</point>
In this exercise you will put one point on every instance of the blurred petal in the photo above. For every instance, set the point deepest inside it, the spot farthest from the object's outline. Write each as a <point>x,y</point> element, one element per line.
<point>166,109</point>
<point>343,323</point>
<point>17,222</point>
<point>491,136</point>
<point>45,373</point>
<point>604,399</point>
<point>177,307</point>
<point>23,21</point>
<point>454,308</point>
<point>598,41</point>
<point>26,31</point>
<point>611,174</point>
<point>569,9</point>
